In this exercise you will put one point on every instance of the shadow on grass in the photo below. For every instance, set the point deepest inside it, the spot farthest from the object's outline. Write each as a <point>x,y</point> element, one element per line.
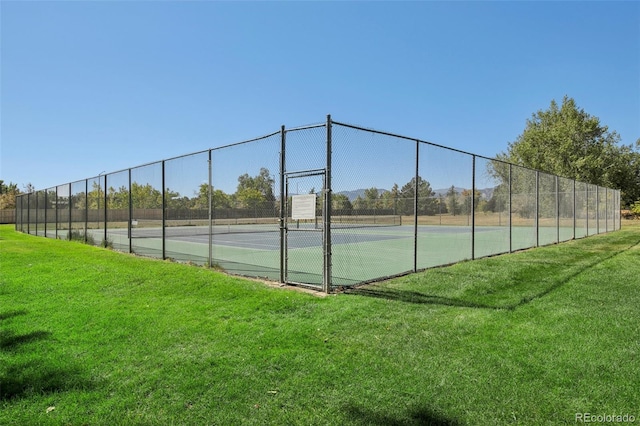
<point>11,314</point>
<point>9,340</point>
<point>22,380</point>
<point>420,416</point>
<point>411,296</point>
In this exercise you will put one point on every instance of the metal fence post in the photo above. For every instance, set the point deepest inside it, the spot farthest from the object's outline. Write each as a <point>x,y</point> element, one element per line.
<point>617,208</point>
<point>36,194</point>
<point>606,210</point>
<point>415,209</point>
<point>510,211</point>
<point>575,213</point>
<point>57,217</point>
<point>210,215</point>
<point>537,219</point>
<point>86,209</point>
<point>46,204</point>
<point>326,281</point>
<point>283,213</point>
<point>597,209</point>
<point>69,233</point>
<point>16,225</point>
<point>586,197</point>
<point>29,213</point>
<point>473,207</point>
<point>105,243</point>
<point>164,214</point>
<point>129,233</point>
<point>557,210</point>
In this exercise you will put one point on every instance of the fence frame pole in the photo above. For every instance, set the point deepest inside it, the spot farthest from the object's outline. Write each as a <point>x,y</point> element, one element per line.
<point>557,210</point>
<point>606,210</point>
<point>29,213</point>
<point>537,218</point>
<point>164,214</point>
<point>105,243</point>
<point>597,209</point>
<point>415,209</point>
<point>586,191</point>
<point>575,205</point>
<point>326,279</point>
<point>283,214</point>
<point>36,194</point>
<point>86,209</point>
<point>210,212</point>
<point>130,214</point>
<point>46,193</point>
<point>473,207</point>
<point>510,209</point>
<point>57,217</point>
<point>70,211</point>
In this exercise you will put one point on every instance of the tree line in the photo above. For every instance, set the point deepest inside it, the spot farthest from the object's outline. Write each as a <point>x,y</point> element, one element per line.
<point>255,193</point>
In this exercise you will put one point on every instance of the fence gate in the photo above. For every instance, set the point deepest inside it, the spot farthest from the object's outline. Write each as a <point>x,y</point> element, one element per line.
<point>304,228</point>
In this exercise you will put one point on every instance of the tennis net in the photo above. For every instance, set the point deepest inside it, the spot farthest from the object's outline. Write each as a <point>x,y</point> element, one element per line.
<point>186,228</point>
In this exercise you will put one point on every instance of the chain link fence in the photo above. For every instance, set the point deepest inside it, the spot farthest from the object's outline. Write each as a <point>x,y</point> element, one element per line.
<point>327,205</point>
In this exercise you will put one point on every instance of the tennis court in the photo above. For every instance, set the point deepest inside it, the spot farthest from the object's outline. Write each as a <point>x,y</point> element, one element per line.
<point>358,253</point>
<point>359,205</point>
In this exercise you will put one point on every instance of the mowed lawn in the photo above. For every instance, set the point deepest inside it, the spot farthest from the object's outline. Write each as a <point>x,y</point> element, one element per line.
<point>89,336</point>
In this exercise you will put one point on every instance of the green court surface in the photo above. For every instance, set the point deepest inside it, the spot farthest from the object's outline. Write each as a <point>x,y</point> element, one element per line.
<point>358,255</point>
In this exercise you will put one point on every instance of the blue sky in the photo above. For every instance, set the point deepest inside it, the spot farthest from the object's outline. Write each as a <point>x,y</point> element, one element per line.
<point>88,87</point>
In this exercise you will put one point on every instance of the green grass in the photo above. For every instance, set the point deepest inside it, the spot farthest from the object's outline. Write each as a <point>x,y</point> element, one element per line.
<point>529,338</point>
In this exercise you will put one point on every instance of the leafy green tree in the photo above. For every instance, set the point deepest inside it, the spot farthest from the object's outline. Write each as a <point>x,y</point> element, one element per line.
<point>452,201</point>
<point>371,200</point>
<point>145,196</point>
<point>78,200</point>
<point>8,193</point>
<point>359,203</point>
<point>389,199</point>
<point>257,191</point>
<point>118,199</point>
<point>219,199</point>
<point>250,197</point>
<point>341,203</point>
<point>95,196</point>
<point>499,201</point>
<point>427,204</point>
<point>371,194</point>
<point>465,206</point>
<point>567,141</point>
<point>173,200</point>
<point>624,173</point>
<point>441,205</point>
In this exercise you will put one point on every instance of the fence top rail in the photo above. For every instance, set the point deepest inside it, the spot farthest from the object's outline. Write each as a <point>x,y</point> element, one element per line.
<point>445,147</point>
<point>431,144</point>
<point>246,141</point>
<point>168,159</point>
<point>305,127</point>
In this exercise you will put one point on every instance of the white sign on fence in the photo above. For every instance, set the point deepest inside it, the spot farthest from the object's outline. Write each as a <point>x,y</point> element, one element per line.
<point>303,206</point>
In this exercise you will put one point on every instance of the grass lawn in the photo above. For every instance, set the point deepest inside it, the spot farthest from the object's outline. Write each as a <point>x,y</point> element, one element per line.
<point>93,337</point>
